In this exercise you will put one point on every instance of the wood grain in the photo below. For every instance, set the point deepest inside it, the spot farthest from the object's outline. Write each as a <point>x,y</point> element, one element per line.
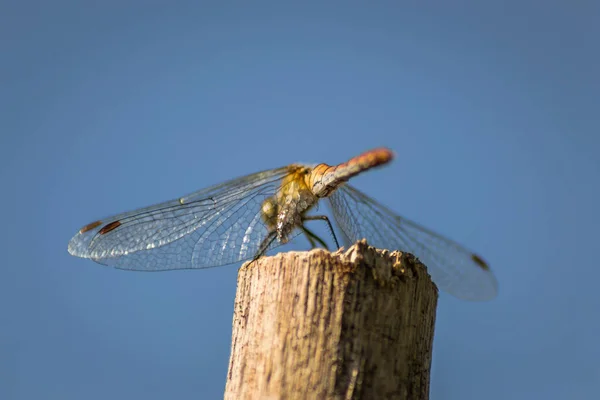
<point>355,324</point>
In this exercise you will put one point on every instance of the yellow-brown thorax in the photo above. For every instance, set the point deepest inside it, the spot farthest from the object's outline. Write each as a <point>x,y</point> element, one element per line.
<point>284,210</point>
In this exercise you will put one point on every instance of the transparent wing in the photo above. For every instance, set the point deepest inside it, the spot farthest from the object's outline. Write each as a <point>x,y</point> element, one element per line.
<point>215,226</point>
<point>453,268</point>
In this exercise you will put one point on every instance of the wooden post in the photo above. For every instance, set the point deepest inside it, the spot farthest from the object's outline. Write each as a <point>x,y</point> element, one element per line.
<point>346,325</point>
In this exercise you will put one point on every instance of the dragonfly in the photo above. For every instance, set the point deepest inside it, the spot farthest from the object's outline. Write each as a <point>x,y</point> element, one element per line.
<point>244,218</point>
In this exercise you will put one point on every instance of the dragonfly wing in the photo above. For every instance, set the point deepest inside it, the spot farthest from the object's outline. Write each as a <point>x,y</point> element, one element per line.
<point>452,267</point>
<point>215,226</point>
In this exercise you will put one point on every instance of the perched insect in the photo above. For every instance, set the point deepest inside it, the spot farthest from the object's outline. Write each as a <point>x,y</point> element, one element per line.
<point>245,217</point>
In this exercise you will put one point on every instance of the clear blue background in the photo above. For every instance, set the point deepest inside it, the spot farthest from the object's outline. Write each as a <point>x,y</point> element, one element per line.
<point>493,111</point>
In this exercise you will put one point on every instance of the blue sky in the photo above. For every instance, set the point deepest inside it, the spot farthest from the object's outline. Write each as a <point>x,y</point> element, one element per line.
<point>105,107</point>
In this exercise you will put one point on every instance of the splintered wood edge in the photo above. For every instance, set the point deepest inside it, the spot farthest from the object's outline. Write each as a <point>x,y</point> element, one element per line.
<point>360,254</point>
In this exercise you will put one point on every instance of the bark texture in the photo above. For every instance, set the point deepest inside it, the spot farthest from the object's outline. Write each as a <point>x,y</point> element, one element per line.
<point>356,324</point>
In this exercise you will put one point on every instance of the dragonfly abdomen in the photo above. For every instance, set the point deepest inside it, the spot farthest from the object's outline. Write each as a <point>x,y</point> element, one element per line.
<point>325,179</point>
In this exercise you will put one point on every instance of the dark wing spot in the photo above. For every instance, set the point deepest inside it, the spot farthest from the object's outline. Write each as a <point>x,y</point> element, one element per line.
<point>89,227</point>
<point>479,261</point>
<point>109,227</point>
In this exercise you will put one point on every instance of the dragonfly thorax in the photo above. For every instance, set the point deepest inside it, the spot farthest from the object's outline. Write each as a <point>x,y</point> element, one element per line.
<point>285,210</point>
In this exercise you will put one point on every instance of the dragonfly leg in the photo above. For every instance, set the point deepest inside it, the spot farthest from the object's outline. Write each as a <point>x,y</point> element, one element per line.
<point>264,245</point>
<point>323,218</point>
<point>312,238</point>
